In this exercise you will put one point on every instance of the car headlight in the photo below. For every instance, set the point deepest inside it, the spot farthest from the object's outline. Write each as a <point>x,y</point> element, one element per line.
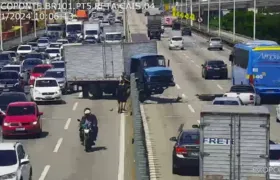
<point>35,122</point>
<point>8,176</point>
<point>32,77</point>
<point>6,124</point>
<point>38,92</point>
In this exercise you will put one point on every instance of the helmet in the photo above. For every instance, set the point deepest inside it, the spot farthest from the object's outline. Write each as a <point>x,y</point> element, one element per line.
<point>87,111</point>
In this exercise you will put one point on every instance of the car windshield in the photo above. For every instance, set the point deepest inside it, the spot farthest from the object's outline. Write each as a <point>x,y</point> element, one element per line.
<point>10,68</point>
<point>112,37</point>
<point>189,138</point>
<point>242,89</point>
<point>54,28</point>
<point>4,57</point>
<point>54,74</point>
<point>7,99</point>
<point>215,39</point>
<point>91,32</point>
<point>274,154</point>
<point>9,75</point>
<point>55,45</point>
<point>20,110</point>
<point>31,63</point>
<point>8,158</point>
<point>40,70</point>
<point>43,41</point>
<point>177,39</point>
<point>215,63</point>
<point>74,28</point>
<point>46,83</point>
<point>227,102</point>
<point>58,65</point>
<point>153,61</point>
<point>25,48</point>
<point>39,56</point>
<point>50,51</point>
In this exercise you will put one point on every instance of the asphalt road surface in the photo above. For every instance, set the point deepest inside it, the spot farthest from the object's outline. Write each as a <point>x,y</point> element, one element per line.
<point>164,114</point>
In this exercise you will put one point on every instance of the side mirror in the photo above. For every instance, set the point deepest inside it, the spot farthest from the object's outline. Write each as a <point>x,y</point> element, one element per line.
<point>24,161</point>
<point>78,120</point>
<point>40,113</point>
<point>230,58</point>
<point>123,37</point>
<point>174,139</point>
<point>31,86</point>
<point>168,63</point>
<point>195,126</point>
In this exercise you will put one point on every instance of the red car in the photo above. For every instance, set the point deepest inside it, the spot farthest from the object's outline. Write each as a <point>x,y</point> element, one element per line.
<point>38,71</point>
<point>22,118</point>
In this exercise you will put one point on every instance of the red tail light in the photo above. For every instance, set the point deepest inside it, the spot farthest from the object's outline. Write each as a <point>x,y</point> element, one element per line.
<point>251,79</point>
<point>181,150</point>
<point>208,67</point>
<point>251,97</point>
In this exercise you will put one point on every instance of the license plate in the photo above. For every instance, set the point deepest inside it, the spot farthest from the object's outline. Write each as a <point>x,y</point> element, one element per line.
<point>194,154</point>
<point>20,129</point>
<point>48,97</point>
<point>217,68</point>
<point>6,90</point>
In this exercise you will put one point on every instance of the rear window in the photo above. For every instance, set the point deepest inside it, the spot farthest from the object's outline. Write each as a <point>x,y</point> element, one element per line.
<point>43,41</point>
<point>242,89</point>
<point>10,68</point>
<point>32,62</point>
<point>215,39</point>
<point>216,63</point>
<point>21,110</point>
<point>274,154</point>
<point>189,138</point>
<point>177,39</point>
<point>58,65</point>
<point>9,75</point>
<point>25,48</point>
<point>41,70</point>
<point>226,103</point>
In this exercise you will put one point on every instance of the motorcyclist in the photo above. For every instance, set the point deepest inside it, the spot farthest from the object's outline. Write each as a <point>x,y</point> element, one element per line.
<point>89,119</point>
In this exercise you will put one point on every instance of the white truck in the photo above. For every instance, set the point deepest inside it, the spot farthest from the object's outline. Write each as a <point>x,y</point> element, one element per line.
<point>113,34</point>
<point>234,142</point>
<point>74,27</point>
<point>92,29</point>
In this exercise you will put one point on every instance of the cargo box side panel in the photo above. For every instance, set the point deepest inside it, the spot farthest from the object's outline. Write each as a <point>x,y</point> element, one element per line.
<point>252,144</point>
<point>217,144</point>
<point>113,60</point>
<point>131,49</point>
<point>84,62</point>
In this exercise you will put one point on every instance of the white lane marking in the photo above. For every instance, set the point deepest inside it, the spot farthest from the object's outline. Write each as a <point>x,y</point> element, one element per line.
<point>197,66</point>
<point>177,86</point>
<point>212,80</point>
<point>122,148</point>
<point>75,106</point>
<point>186,56</point>
<point>151,156</point>
<point>80,94</point>
<point>67,123</point>
<point>45,172</point>
<point>57,146</point>
<point>184,96</point>
<point>220,87</point>
<point>191,108</point>
<point>192,61</point>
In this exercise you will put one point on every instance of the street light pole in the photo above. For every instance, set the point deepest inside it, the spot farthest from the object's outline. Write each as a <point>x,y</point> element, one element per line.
<point>255,12</point>
<point>219,17</point>
<point>199,14</point>
<point>20,24</point>
<point>1,36</point>
<point>186,10</point>
<point>191,8</point>
<point>45,9</point>
<point>233,20</point>
<point>208,17</point>
<point>181,10</point>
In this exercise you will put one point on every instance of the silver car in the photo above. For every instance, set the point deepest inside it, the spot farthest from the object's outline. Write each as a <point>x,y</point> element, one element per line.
<point>60,76</point>
<point>227,101</point>
<point>215,43</point>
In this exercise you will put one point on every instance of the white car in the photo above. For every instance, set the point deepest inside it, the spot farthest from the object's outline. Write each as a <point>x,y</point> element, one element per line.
<point>45,89</point>
<point>24,49</point>
<point>13,54</point>
<point>246,93</point>
<point>15,163</point>
<point>63,41</point>
<point>53,52</point>
<point>176,42</point>
<point>56,45</point>
<point>13,67</point>
<point>234,101</point>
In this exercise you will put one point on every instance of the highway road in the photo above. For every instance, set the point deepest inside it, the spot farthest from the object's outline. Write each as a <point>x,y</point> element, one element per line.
<point>164,115</point>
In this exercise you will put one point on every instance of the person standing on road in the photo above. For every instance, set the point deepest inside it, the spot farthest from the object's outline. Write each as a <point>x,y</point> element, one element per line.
<point>122,96</point>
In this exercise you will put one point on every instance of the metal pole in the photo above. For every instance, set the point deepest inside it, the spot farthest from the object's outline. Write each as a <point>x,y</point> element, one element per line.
<point>20,24</point>
<point>45,9</point>
<point>1,36</point>
<point>186,10</point>
<point>208,17</point>
<point>181,9</point>
<point>255,12</point>
<point>219,17</point>
<point>191,8</point>
<point>35,22</point>
<point>233,20</point>
<point>199,13</point>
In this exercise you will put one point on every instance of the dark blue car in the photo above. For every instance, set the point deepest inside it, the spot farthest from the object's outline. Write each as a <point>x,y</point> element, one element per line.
<point>11,81</point>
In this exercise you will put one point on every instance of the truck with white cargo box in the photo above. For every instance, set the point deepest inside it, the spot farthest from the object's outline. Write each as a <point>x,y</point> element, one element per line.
<point>234,142</point>
<point>92,29</point>
<point>98,68</point>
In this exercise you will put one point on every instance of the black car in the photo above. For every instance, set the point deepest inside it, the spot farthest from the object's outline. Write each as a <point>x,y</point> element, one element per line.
<point>28,64</point>
<point>35,55</point>
<point>90,40</point>
<point>11,81</point>
<point>214,68</point>
<point>5,58</point>
<point>186,31</point>
<point>58,64</point>
<point>8,97</point>
<point>186,150</point>
<point>176,25</point>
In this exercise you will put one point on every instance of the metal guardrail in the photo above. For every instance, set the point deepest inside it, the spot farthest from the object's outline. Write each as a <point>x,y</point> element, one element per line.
<point>141,155</point>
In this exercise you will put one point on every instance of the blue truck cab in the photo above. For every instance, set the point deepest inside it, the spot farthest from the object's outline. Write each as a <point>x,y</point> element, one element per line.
<point>152,73</point>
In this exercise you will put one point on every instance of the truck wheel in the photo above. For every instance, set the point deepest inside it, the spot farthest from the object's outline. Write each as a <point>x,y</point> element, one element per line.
<point>142,96</point>
<point>85,91</point>
<point>96,91</point>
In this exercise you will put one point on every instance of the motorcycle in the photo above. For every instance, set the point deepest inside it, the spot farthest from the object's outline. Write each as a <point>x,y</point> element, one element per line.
<point>87,132</point>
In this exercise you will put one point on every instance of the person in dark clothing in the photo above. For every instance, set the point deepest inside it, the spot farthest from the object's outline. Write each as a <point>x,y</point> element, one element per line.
<point>122,95</point>
<point>91,119</point>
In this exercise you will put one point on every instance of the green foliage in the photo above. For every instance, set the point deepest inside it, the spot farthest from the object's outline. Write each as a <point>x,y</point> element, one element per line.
<point>267,26</point>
